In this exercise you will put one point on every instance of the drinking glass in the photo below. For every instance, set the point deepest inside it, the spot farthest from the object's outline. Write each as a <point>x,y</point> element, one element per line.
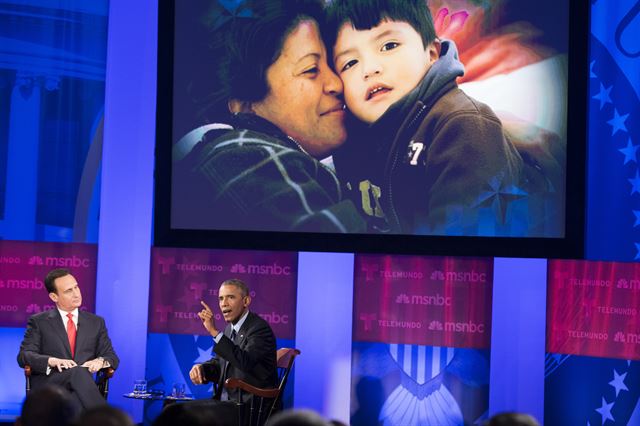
<point>139,387</point>
<point>178,390</point>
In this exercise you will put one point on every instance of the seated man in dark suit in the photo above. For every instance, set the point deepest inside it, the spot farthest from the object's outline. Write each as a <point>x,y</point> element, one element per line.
<point>65,346</point>
<point>245,350</point>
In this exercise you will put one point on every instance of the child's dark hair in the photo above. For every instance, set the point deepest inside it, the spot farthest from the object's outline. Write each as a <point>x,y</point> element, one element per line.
<point>366,14</point>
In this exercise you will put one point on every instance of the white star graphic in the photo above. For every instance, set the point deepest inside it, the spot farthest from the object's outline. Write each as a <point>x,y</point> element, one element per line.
<point>604,95</point>
<point>618,382</point>
<point>605,411</point>
<point>203,355</point>
<point>637,251</point>
<point>617,122</point>
<point>591,73</point>
<point>637,215</point>
<point>629,152</point>
<point>635,184</point>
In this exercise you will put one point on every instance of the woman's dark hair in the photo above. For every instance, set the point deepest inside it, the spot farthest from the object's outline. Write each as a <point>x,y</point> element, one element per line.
<point>367,14</point>
<point>241,50</point>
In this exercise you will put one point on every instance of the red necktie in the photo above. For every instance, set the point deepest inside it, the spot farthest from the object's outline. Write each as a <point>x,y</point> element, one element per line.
<point>71,334</point>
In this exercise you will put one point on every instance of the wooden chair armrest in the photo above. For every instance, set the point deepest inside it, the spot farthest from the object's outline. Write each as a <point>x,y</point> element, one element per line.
<point>237,383</point>
<point>106,372</point>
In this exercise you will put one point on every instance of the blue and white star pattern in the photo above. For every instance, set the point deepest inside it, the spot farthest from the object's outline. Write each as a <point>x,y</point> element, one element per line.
<point>614,125</point>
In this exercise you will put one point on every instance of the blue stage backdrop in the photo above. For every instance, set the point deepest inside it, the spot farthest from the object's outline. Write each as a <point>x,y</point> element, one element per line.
<point>603,390</point>
<point>613,210</point>
<point>52,74</point>
<point>52,83</point>
<point>592,369</point>
<point>421,336</point>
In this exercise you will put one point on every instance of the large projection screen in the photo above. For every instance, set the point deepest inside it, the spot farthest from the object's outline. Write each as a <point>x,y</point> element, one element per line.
<point>527,61</point>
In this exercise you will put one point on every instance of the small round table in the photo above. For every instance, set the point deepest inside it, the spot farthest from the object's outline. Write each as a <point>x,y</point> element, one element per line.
<point>168,399</point>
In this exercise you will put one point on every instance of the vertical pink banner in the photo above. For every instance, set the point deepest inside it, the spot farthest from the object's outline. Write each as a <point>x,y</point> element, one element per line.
<point>593,309</point>
<point>23,267</point>
<point>181,278</point>
<point>435,301</point>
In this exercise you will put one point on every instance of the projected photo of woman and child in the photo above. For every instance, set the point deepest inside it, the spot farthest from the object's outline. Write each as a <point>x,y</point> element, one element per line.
<point>446,117</point>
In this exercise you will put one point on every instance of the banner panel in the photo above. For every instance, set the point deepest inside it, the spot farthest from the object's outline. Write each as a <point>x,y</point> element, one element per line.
<point>181,278</point>
<point>23,267</point>
<point>436,301</point>
<point>593,308</point>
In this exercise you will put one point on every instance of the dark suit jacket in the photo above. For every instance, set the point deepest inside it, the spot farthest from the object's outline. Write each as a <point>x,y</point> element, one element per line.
<point>252,357</point>
<point>46,337</point>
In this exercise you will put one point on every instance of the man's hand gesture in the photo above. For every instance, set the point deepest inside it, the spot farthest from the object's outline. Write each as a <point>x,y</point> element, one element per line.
<point>206,315</point>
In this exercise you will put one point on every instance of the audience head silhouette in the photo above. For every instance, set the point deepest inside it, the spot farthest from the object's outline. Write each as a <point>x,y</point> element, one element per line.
<point>48,405</point>
<point>297,418</point>
<point>512,419</point>
<point>105,415</point>
<point>198,413</point>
